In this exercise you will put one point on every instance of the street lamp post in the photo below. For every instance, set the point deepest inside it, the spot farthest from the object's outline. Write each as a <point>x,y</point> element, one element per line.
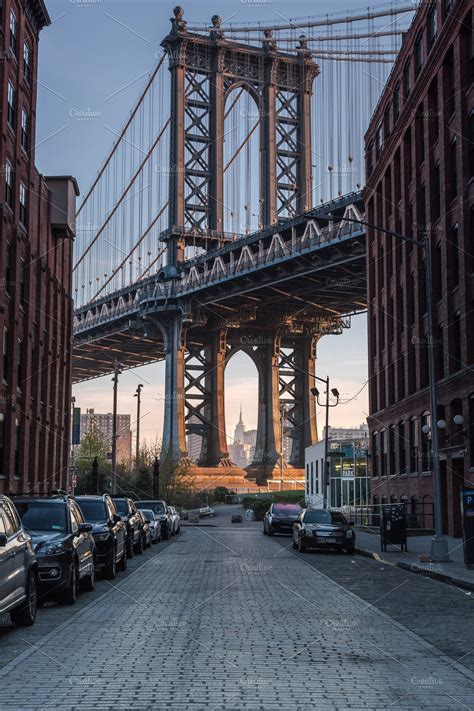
<point>439,544</point>
<point>327,405</point>
<point>137,448</point>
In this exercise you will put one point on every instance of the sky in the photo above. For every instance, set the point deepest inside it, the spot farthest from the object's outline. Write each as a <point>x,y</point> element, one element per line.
<point>95,58</point>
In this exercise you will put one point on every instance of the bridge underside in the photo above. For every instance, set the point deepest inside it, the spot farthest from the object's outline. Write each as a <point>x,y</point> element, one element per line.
<point>272,295</point>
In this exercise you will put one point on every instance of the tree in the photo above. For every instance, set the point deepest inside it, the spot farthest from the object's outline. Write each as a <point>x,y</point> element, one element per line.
<point>93,445</point>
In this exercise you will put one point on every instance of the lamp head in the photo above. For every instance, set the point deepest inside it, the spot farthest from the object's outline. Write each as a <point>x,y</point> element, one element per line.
<point>335,392</point>
<point>315,392</point>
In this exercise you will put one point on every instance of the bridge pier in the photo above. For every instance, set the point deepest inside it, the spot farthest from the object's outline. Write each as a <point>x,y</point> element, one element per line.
<point>174,428</point>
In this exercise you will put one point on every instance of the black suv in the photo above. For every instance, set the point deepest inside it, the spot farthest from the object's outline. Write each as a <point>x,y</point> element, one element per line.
<point>63,543</point>
<point>159,508</point>
<point>109,531</point>
<point>18,568</point>
<point>128,511</point>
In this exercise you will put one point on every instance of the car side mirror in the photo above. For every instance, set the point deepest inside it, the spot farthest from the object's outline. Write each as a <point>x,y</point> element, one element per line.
<point>85,527</point>
<point>116,518</point>
<point>3,540</point>
<point>148,520</point>
<point>351,523</point>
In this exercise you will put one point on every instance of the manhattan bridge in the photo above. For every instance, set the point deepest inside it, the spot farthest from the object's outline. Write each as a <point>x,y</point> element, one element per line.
<point>206,230</point>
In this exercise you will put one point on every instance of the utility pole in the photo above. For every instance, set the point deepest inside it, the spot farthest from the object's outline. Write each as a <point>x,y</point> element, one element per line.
<point>114,429</point>
<point>138,396</point>
<point>327,405</point>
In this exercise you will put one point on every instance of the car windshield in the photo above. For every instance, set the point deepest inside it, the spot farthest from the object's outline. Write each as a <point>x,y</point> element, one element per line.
<point>321,516</point>
<point>42,516</point>
<point>156,506</point>
<point>287,509</point>
<point>148,513</point>
<point>122,507</point>
<point>93,510</point>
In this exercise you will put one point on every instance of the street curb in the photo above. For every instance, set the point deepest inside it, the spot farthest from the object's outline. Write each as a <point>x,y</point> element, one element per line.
<point>441,577</point>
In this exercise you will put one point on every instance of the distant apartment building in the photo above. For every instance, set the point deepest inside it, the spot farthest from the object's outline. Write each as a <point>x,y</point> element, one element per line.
<point>102,424</point>
<point>420,180</point>
<point>37,216</point>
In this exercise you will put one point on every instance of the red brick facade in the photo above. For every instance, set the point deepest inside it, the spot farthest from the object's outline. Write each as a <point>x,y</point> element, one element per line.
<point>420,159</point>
<point>35,273</point>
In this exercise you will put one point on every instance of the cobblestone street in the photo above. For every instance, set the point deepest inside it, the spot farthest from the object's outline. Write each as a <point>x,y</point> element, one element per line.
<point>225,618</point>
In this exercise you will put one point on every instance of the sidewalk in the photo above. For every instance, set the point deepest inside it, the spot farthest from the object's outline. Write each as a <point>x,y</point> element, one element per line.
<point>453,572</point>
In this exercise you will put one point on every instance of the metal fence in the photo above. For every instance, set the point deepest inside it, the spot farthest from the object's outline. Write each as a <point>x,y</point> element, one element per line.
<point>419,514</point>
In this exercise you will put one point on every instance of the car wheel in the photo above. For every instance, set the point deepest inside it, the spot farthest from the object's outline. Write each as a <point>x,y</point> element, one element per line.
<point>110,571</point>
<point>301,546</point>
<point>350,550</point>
<point>69,595</point>
<point>166,535</point>
<point>25,615</point>
<point>122,564</point>
<point>270,531</point>
<point>88,584</point>
<point>294,543</point>
<point>130,550</point>
<point>264,530</point>
<point>149,542</point>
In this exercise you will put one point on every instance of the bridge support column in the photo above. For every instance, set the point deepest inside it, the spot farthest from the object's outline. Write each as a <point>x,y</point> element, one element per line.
<point>174,430</point>
<point>268,428</point>
<point>216,450</point>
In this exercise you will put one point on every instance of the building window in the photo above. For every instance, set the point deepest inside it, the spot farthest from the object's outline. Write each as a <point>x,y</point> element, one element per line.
<point>425,443</point>
<point>383,453</point>
<point>375,457</point>
<point>5,355</point>
<point>419,52</point>
<point>19,365</point>
<point>471,430</point>
<point>457,348</point>
<point>432,25</point>
<point>378,142</point>
<point>396,102</point>
<point>13,33</point>
<point>406,80</point>
<point>16,459</point>
<point>454,254</point>
<point>420,135</point>
<point>447,5</point>
<point>25,135</point>
<point>413,444</point>
<point>433,109</point>
<point>392,450</point>
<point>438,273</point>
<point>8,267</point>
<point>453,164</point>
<point>23,205</point>
<point>436,195</point>
<point>386,122</point>
<point>11,99</point>
<point>27,62</point>
<point>401,377</point>
<point>401,448</point>
<point>449,84</point>
<point>22,281</point>
<point>370,158</point>
<point>9,184</point>
<point>440,352</point>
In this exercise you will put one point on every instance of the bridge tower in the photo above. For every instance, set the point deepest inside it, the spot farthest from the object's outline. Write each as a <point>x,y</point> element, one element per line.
<point>204,70</point>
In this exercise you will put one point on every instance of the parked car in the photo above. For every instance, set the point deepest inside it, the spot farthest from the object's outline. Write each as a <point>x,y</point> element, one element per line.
<point>154,524</point>
<point>18,568</point>
<point>63,543</point>
<point>146,533</point>
<point>280,518</point>
<point>175,521</point>
<point>158,506</point>
<point>129,513</point>
<point>109,531</point>
<point>319,528</point>
<point>236,518</point>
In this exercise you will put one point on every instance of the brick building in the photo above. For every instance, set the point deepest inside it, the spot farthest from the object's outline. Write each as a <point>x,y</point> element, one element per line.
<point>36,219</point>
<point>420,161</point>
